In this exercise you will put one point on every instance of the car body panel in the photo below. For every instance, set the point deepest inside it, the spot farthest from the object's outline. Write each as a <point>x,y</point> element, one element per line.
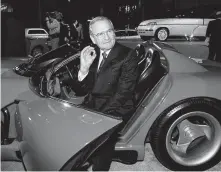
<point>45,123</point>
<point>8,89</point>
<point>176,61</point>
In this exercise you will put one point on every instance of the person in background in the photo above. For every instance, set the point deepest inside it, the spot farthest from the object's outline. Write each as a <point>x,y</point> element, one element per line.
<point>73,33</point>
<point>64,33</point>
<point>54,30</point>
<point>79,28</point>
<point>213,38</point>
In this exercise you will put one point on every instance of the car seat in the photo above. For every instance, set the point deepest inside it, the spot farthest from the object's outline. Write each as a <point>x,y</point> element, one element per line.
<point>150,73</point>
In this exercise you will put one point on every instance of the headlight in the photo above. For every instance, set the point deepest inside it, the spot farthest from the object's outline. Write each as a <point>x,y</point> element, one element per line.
<point>151,23</point>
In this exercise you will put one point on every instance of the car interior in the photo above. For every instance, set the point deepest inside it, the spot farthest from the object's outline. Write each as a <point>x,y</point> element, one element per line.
<point>150,68</point>
<point>151,71</point>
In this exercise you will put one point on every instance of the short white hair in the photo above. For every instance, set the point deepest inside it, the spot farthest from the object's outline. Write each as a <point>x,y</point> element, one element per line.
<point>99,18</point>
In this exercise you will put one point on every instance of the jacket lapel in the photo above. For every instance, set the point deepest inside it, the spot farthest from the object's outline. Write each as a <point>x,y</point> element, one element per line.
<point>93,67</point>
<point>111,56</point>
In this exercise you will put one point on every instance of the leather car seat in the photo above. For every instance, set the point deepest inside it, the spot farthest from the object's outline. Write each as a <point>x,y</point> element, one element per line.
<point>150,73</point>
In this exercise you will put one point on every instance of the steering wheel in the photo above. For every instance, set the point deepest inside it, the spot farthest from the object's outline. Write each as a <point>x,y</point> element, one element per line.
<point>64,73</point>
<point>66,89</point>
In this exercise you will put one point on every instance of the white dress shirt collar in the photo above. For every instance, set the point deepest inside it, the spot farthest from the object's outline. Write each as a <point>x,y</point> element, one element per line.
<point>101,56</point>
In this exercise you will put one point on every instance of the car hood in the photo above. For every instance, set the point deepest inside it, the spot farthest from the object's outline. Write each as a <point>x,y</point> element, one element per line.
<point>11,86</point>
<point>53,131</point>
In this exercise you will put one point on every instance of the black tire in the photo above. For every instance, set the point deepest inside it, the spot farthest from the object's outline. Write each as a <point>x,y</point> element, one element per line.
<point>162,34</point>
<point>37,51</point>
<point>166,140</point>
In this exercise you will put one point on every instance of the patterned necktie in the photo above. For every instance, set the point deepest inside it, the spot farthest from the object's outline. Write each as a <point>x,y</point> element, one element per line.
<point>103,60</point>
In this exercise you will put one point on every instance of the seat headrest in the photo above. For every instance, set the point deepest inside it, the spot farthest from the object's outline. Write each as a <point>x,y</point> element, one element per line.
<point>140,51</point>
<point>150,62</point>
<point>150,72</point>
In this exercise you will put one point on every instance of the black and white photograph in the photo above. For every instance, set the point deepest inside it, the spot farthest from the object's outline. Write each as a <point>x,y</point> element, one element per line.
<point>110,85</point>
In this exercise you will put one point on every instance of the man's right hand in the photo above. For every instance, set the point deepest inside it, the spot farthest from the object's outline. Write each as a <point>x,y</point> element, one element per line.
<point>88,55</point>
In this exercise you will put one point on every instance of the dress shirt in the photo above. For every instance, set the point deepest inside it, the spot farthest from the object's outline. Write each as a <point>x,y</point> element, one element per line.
<point>81,76</point>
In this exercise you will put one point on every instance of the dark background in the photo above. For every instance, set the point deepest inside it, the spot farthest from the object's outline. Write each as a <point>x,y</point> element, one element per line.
<point>31,14</point>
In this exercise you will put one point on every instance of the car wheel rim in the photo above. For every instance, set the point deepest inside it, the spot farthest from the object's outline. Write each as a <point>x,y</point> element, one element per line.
<point>162,35</point>
<point>194,138</point>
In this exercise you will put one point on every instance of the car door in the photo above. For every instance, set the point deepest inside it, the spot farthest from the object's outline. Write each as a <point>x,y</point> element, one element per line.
<point>185,26</point>
<point>200,31</point>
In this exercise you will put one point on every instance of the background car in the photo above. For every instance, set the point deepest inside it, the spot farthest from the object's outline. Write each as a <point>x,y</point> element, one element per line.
<point>37,41</point>
<point>189,24</point>
<point>178,106</point>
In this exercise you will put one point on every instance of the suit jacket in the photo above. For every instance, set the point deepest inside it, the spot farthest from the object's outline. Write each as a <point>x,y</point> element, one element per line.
<point>73,32</point>
<point>214,32</point>
<point>112,89</point>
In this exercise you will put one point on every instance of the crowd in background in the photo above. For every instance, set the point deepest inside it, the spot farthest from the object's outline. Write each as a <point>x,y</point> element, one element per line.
<point>61,32</point>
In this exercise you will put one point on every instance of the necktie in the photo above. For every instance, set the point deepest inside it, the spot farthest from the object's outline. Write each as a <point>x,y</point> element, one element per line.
<point>103,60</point>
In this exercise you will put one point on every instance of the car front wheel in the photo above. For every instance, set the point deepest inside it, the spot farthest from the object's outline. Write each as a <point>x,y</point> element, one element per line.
<point>188,135</point>
<point>162,34</point>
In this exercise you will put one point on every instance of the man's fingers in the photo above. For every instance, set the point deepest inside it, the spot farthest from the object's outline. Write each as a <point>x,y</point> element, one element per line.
<point>93,53</point>
<point>83,51</point>
<point>88,53</point>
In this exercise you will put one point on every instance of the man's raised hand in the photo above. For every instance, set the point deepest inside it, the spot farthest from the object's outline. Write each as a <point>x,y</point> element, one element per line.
<point>88,55</point>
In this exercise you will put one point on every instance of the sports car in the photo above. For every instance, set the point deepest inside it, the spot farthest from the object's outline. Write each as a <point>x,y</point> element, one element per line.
<point>178,107</point>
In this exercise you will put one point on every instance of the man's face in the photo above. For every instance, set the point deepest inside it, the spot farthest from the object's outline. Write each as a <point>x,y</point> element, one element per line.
<point>103,35</point>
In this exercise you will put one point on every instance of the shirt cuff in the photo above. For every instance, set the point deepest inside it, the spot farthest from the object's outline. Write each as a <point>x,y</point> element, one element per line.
<point>81,76</point>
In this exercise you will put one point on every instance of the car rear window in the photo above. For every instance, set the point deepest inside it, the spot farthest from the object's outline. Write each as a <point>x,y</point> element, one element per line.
<point>36,32</point>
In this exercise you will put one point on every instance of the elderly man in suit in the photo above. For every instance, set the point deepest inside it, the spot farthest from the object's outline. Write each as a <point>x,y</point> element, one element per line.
<point>110,74</point>
<point>213,37</point>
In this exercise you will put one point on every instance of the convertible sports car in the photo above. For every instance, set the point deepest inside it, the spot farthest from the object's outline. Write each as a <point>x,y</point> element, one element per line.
<point>178,107</point>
